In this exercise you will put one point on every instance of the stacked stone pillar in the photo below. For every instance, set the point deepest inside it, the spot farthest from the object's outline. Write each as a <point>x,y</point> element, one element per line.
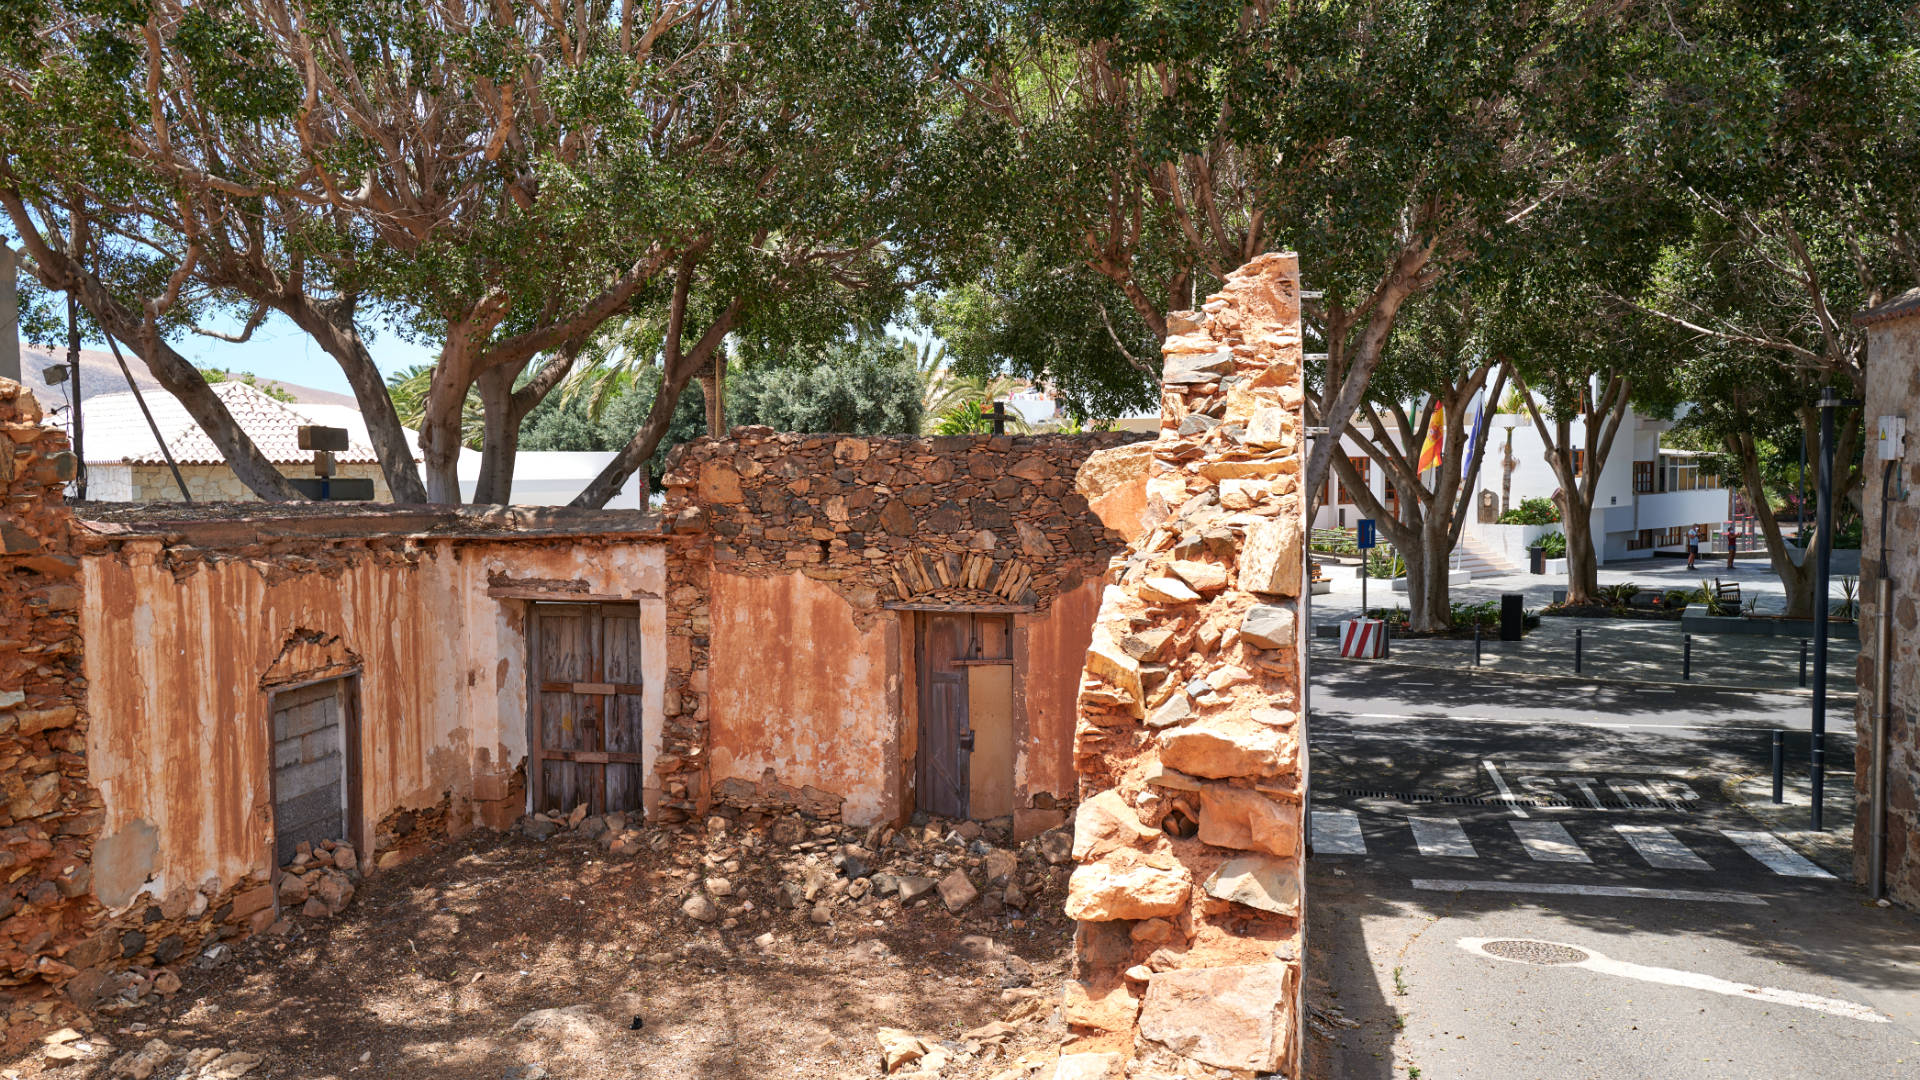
<point>1188,741</point>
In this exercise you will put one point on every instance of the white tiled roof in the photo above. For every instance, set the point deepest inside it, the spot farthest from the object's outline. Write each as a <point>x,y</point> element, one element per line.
<point>116,432</point>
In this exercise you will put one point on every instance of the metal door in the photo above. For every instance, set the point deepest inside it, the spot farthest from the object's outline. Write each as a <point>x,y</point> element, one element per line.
<point>584,699</point>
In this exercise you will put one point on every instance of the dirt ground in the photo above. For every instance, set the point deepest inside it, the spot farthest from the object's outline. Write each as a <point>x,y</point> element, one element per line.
<point>501,956</point>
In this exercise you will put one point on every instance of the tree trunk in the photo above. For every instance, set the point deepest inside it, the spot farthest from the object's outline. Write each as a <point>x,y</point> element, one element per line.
<point>679,371</point>
<point>1796,579</point>
<point>1432,609</point>
<point>500,442</point>
<point>1583,563</point>
<point>333,327</point>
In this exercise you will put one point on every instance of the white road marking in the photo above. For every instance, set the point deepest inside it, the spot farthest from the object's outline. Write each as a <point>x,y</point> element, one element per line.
<point>1558,889</point>
<point>1615,768</point>
<point>1775,853</point>
<point>1505,791</point>
<point>1659,847</point>
<point>1538,723</point>
<point>1628,791</point>
<point>1586,788</point>
<point>1442,836</point>
<point>1692,980</point>
<point>1337,832</point>
<point>1548,841</point>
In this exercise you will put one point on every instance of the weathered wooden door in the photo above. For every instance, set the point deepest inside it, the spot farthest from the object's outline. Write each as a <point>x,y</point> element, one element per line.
<point>584,701</point>
<point>311,791</point>
<point>963,661</point>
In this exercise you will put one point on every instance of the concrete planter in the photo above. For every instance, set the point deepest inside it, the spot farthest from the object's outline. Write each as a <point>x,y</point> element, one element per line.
<point>1454,577</point>
<point>1697,621</point>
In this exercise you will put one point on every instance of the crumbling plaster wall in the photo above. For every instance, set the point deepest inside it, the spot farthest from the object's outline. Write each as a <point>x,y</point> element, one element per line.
<point>1192,770</point>
<point>804,697</point>
<point>790,556</point>
<point>180,744</point>
<point>1893,389</point>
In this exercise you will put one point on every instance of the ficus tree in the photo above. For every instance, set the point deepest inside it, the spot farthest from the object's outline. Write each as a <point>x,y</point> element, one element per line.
<point>1437,362</point>
<point>1147,150</point>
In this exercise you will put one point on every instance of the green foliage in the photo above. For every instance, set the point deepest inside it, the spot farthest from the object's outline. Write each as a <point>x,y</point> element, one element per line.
<point>271,389</point>
<point>868,386</point>
<point>1336,541</point>
<point>1554,544</point>
<point>1385,563</point>
<point>1536,511</point>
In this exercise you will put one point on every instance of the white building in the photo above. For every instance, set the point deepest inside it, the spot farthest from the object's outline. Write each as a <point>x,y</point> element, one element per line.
<point>1646,499</point>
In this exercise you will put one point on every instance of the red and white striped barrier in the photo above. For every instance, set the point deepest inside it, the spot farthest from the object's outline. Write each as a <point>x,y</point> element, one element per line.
<point>1363,639</point>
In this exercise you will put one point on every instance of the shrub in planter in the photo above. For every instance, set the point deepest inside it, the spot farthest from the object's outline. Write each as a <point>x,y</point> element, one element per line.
<point>1531,512</point>
<point>1554,544</point>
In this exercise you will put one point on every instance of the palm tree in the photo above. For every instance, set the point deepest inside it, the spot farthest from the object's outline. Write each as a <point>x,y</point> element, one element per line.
<point>965,404</point>
<point>408,389</point>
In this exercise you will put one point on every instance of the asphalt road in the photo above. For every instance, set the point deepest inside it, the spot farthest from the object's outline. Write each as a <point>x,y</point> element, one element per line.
<point>1651,928</point>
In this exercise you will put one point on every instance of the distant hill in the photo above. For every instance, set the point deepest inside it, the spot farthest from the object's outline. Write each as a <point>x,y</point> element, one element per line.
<point>99,374</point>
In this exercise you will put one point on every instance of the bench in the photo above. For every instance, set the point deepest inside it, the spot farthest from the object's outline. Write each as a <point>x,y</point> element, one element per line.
<point>1727,592</point>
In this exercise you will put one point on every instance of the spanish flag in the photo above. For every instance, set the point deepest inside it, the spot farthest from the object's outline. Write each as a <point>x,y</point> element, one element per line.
<point>1436,436</point>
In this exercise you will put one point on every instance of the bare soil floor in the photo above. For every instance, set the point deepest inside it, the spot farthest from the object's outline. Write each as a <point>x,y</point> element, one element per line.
<point>442,968</point>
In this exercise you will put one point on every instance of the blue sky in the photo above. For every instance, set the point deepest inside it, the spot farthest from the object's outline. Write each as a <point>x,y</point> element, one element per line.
<point>280,350</point>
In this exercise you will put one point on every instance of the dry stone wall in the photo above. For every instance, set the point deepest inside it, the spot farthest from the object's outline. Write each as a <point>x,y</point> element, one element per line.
<point>50,812</point>
<point>962,519</point>
<point>1188,834</point>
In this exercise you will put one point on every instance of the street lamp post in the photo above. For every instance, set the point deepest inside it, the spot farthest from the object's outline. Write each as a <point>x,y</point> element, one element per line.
<point>1822,581</point>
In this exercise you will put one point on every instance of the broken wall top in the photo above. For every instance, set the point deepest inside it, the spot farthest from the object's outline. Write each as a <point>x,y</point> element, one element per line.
<point>982,521</point>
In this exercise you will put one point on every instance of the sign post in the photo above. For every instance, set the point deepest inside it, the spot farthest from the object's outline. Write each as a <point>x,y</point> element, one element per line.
<point>1364,540</point>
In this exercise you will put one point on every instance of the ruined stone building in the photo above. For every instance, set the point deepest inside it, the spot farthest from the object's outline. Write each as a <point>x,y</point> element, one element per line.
<point>1893,391</point>
<point>1011,629</point>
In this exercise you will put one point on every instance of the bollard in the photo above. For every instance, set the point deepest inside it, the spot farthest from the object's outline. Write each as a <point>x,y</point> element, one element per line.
<point>1386,638</point>
<point>1819,762</point>
<point>1476,644</point>
<point>1803,661</point>
<point>1779,767</point>
<point>1686,658</point>
<point>1577,631</point>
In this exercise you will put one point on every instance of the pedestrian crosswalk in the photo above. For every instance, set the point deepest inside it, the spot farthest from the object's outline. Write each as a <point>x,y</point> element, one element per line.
<point>1342,832</point>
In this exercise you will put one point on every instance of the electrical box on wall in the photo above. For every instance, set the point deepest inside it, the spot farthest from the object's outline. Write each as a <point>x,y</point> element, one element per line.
<point>1892,442</point>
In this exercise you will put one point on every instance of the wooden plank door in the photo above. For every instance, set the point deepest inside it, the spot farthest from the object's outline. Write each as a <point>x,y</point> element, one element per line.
<point>584,743</point>
<point>964,764</point>
<point>940,763</point>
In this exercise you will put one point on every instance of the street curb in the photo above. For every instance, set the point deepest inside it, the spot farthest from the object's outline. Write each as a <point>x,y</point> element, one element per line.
<point>1832,695</point>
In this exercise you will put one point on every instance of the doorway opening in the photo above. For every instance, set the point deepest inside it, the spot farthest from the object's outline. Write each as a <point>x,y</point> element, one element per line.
<point>316,765</point>
<point>963,766</point>
<point>584,711</point>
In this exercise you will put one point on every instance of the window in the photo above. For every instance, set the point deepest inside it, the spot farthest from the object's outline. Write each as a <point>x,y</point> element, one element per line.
<point>1579,463</point>
<point>1642,540</point>
<point>1643,478</point>
<point>1687,474</point>
<point>1363,466</point>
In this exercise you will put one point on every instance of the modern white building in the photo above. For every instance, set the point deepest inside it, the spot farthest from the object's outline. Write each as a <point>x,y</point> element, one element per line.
<point>1647,498</point>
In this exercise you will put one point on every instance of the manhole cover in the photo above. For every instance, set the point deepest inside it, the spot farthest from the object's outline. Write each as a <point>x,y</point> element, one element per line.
<point>1535,952</point>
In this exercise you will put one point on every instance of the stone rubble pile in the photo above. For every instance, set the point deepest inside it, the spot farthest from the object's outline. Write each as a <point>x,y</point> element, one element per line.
<point>754,870</point>
<point>1188,888</point>
<point>159,1060</point>
<point>318,883</point>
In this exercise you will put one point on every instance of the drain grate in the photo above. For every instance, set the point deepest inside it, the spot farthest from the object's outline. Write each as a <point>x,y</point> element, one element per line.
<point>1534,952</point>
<point>1508,800</point>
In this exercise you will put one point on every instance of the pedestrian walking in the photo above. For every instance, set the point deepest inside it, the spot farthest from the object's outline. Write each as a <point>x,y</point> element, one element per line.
<point>1693,545</point>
